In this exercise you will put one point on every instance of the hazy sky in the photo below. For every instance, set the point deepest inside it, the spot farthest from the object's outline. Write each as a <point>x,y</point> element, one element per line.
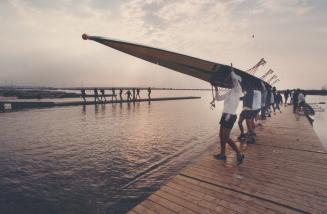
<point>40,41</point>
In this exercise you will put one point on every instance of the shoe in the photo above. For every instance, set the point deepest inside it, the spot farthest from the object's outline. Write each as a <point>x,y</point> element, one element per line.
<point>251,140</point>
<point>240,159</point>
<point>242,136</point>
<point>220,157</point>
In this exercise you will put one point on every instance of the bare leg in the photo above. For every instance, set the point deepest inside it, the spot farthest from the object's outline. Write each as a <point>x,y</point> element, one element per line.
<point>226,138</point>
<point>240,125</point>
<point>222,141</point>
<point>249,125</point>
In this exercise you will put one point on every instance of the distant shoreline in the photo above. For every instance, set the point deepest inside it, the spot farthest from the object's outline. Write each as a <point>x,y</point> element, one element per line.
<point>311,92</point>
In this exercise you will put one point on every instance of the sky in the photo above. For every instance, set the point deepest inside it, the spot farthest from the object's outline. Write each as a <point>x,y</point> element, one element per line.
<point>41,44</point>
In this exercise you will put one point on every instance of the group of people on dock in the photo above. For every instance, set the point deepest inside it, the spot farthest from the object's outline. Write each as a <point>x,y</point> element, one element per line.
<point>259,102</point>
<point>132,95</point>
<point>297,99</point>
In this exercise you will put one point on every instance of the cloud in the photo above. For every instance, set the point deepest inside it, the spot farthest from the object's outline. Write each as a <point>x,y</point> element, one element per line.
<point>41,40</point>
<point>298,7</point>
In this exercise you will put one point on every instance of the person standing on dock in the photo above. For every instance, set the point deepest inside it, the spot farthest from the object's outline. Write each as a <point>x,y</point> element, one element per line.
<point>121,94</point>
<point>273,99</point>
<point>256,106</point>
<point>228,118</point>
<point>286,94</point>
<point>133,90</point>
<point>128,93</point>
<point>295,99</point>
<point>138,94</point>
<point>279,101</point>
<point>267,102</point>
<point>291,96</point>
<point>96,96</point>
<point>301,100</point>
<point>246,113</point>
<point>83,95</point>
<point>149,93</point>
<point>263,101</point>
<point>114,96</point>
<point>103,97</point>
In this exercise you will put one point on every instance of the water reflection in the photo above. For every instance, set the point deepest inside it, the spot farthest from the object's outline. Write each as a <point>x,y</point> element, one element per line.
<point>77,159</point>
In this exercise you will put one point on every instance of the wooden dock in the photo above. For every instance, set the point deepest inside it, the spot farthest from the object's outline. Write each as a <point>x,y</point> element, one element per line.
<point>15,105</point>
<point>284,172</point>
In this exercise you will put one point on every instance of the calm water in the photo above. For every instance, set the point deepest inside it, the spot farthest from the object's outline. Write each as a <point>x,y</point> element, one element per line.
<point>100,159</point>
<point>320,122</point>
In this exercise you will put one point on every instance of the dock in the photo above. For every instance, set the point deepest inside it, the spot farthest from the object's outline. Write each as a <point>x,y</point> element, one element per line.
<point>284,172</point>
<point>15,105</point>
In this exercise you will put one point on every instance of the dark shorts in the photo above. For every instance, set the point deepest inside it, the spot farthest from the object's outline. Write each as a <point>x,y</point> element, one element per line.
<point>255,112</point>
<point>247,114</point>
<point>301,104</point>
<point>228,120</point>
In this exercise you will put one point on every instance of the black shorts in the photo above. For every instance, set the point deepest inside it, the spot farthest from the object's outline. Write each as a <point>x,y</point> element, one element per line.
<point>228,120</point>
<point>301,104</point>
<point>255,112</point>
<point>247,114</point>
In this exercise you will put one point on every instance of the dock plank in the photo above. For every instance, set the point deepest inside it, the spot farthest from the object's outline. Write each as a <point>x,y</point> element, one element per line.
<point>285,172</point>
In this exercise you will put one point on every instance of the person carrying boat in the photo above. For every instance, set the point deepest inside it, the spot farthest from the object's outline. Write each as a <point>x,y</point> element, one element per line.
<point>268,98</point>
<point>273,99</point>
<point>279,101</point>
<point>301,100</point>
<point>263,101</point>
<point>292,96</point>
<point>256,106</point>
<point>295,99</point>
<point>286,94</point>
<point>228,118</point>
<point>247,112</point>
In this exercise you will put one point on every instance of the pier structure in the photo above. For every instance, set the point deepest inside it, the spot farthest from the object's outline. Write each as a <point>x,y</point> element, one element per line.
<point>16,105</point>
<point>284,172</point>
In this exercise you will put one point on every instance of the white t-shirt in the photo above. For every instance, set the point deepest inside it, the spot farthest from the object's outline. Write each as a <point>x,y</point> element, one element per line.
<point>301,97</point>
<point>263,95</point>
<point>272,98</point>
<point>256,100</point>
<point>232,98</point>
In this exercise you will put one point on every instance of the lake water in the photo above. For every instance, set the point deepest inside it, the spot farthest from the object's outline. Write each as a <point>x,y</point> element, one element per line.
<point>104,158</point>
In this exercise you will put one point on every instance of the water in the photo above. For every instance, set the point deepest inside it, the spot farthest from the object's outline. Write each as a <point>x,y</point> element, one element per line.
<point>320,122</point>
<point>102,159</point>
<point>98,159</point>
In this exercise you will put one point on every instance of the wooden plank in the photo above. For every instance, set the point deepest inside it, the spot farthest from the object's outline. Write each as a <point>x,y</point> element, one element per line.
<point>285,172</point>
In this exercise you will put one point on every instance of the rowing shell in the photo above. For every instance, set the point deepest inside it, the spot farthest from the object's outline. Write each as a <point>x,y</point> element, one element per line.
<point>202,69</point>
